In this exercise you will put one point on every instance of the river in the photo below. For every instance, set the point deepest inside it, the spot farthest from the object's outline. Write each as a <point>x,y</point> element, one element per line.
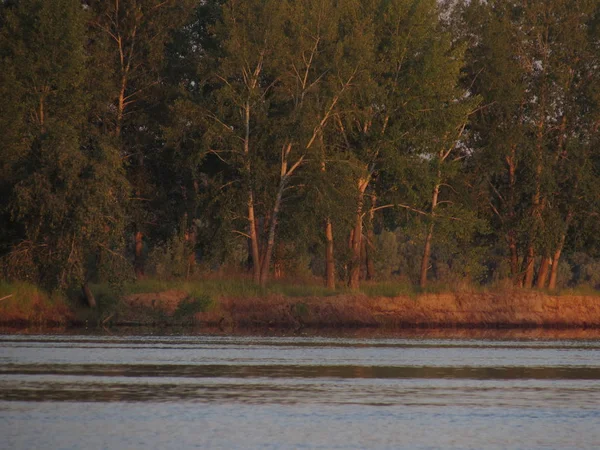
<point>86,391</point>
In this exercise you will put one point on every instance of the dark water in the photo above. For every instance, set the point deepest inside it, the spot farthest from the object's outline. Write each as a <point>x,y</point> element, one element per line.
<point>161,392</point>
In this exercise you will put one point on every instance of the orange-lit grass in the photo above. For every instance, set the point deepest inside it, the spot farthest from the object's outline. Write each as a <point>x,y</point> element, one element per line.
<point>24,303</point>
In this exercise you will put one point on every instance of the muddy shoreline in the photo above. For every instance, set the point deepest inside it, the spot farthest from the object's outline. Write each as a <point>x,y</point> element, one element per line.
<point>459,310</point>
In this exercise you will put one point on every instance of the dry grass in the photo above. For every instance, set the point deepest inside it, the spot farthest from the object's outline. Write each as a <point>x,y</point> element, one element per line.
<point>23,303</point>
<point>231,304</point>
<point>509,309</point>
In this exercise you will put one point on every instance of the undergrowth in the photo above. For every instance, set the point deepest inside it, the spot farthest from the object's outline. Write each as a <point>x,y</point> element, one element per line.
<point>22,302</point>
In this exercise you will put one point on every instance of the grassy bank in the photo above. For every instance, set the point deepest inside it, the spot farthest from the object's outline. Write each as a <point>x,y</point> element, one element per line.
<point>238,303</point>
<point>26,304</point>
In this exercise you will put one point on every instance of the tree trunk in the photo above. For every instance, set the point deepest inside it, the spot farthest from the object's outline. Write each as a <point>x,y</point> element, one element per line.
<point>363,258</point>
<point>354,282</point>
<point>537,201</point>
<point>370,275</point>
<point>266,261</point>
<point>139,257</point>
<point>256,263</point>
<point>543,272</point>
<point>558,252</point>
<point>426,256</point>
<point>369,247</point>
<point>121,107</point>
<point>356,245</point>
<point>88,295</point>
<point>429,238</point>
<point>529,267</point>
<point>514,257</point>
<point>329,259</point>
<point>512,235</point>
<point>555,262</point>
<point>253,238</point>
<point>191,238</point>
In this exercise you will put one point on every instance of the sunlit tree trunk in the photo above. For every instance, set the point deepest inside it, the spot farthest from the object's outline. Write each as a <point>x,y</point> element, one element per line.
<point>329,256</point>
<point>354,282</point>
<point>429,237</point>
<point>88,295</point>
<point>555,263</point>
<point>543,272</point>
<point>558,252</point>
<point>252,233</point>
<point>512,235</point>
<point>266,260</point>
<point>529,267</point>
<point>369,245</point>
<point>253,237</point>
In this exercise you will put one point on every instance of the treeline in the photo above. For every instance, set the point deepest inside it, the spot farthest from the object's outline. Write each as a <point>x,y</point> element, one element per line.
<point>356,139</point>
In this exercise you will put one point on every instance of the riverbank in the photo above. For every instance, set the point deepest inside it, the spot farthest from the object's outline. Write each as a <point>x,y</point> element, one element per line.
<point>232,309</point>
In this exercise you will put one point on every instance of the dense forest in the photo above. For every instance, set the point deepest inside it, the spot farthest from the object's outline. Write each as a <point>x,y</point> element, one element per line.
<point>334,140</point>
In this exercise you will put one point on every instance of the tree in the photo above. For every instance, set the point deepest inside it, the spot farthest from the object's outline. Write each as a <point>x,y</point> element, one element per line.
<point>67,188</point>
<point>532,63</point>
<point>128,47</point>
<point>278,82</point>
<point>407,110</point>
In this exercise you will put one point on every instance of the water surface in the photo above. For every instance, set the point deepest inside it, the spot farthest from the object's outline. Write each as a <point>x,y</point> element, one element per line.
<point>156,392</point>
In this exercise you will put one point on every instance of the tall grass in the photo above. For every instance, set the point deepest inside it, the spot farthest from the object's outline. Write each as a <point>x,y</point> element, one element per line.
<point>26,303</point>
<point>240,287</point>
<point>389,289</point>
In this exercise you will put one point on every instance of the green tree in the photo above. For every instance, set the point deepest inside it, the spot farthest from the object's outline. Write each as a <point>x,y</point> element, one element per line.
<point>65,184</point>
<point>533,64</point>
<point>128,40</point>
<point>407,111</point>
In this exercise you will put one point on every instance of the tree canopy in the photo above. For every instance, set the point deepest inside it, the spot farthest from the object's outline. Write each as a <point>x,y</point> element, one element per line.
<point>345,140</point>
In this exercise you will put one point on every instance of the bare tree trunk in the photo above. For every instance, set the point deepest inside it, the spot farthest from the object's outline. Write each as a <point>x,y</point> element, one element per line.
<point>369,245</point>
<point>429,238</point>
<point>514,256</point>
<point>529,267</point>
<point>329,259</point>
<point>266,261</point>
<point>543,272</point>
<point>139,257</point>
<point>511,237</point>
<point>354,282</point>
<point>89,295</point>
<point>537,202</point>
<point>191,237</point>
<point>253,238</point>
<point>121,106</point>
<point>356,244</point>
<point>555,262</point>
<point>285,175</point>
<point>426,256</point>
<point>558,252</point>
<point>278,269</point>
<point>252,233</point>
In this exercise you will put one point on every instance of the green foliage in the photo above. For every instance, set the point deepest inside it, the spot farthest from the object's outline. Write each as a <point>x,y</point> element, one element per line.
<point>171,260</point>
<point>387,255</point>
<point>65,186</point>
<point>189,307</point>
<point>471,128</point>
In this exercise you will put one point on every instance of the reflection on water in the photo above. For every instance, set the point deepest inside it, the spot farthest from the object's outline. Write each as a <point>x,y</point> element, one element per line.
<point>412,392</point>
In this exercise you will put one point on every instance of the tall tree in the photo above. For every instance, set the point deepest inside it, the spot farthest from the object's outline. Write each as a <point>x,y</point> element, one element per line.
<point>128,40</point>
<point>278,84</point>
<point>67,186</point>
<point>532,62</point>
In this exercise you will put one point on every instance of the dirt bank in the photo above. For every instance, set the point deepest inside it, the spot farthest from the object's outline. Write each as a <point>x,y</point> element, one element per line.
<point>509,309</point>
<point>512,309</point>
